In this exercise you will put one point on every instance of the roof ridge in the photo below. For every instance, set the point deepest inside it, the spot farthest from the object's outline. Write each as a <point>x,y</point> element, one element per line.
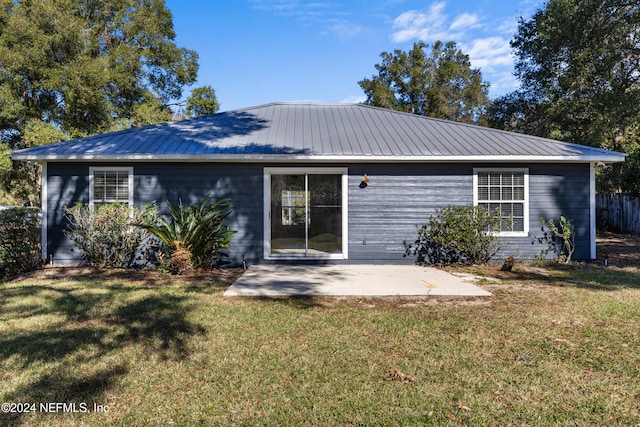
<point>294,103</point>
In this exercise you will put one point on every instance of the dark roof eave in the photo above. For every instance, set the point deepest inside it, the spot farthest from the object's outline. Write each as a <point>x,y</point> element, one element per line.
<point>609,157</point>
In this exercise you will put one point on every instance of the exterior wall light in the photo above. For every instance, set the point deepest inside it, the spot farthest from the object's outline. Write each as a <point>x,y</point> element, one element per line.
<point>364,182</point>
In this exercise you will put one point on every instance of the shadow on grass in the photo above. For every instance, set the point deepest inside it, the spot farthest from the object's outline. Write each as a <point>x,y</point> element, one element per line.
<point>604,278</point>
<point>298,302</point>
<point>66,386</point>
<point>594,278</point>
<point>69,328</point>
<point>159,323</point>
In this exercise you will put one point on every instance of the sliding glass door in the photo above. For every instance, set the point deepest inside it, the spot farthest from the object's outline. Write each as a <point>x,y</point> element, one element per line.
<point>305,214</point>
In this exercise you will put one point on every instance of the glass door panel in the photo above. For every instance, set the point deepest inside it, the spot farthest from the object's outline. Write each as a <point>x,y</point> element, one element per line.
<point>288,214</point>
<point>325,214</point>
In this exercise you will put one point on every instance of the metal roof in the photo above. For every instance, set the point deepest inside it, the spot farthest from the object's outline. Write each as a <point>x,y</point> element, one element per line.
<point>311,132</point>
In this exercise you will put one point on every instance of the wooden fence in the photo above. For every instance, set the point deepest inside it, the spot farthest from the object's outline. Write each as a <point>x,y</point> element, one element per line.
<point>618,212</point>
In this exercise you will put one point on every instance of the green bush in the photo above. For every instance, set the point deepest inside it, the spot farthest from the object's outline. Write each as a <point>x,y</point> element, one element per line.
<point>19,241</point>
<point>457,235</point>
<point>107,236</point>
<point>195,235</point>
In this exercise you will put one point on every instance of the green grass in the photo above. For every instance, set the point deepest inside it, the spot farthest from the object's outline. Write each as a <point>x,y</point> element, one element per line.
<point>553,346</point>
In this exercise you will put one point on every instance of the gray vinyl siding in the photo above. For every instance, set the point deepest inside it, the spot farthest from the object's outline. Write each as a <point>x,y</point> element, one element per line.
<point>67,184</point>
<point>383,217</point>
<point>555,190</point>
<point>159,182</point>
<point>191,183</point>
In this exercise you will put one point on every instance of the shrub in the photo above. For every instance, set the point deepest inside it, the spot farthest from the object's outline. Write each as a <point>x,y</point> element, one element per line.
<point>560,239</point>
<point>107,235</point>
<point>195,235</point>
<point>457,234</point>
<point>19,241</point>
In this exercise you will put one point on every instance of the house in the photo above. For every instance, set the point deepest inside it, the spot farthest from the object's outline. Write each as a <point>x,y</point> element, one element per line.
<point>329,182</point>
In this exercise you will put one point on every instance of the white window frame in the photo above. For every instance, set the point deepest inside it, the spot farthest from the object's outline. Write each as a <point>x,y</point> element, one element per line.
<point>268,171</point>
<point>525,232</point>
<point>127,169</point>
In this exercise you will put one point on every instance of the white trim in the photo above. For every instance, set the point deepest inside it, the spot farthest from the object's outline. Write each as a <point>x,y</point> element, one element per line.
<point>592,209</point>
<point>345,213</point>
<point>525,232</point>
<point>611,157</point>
<point>128,169</point>
<point>266,210</point>
<point>44,219</point>
<point>268,171</point>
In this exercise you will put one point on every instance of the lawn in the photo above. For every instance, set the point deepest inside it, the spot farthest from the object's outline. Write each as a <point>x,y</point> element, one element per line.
<point>554,346</point>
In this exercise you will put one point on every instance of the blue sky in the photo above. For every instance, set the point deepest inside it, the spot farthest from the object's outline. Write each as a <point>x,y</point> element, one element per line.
<point>254,52</point>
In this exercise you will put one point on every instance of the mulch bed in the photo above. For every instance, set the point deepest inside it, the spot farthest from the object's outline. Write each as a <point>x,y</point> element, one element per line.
<point>219,277</point>
<point>620,250</point>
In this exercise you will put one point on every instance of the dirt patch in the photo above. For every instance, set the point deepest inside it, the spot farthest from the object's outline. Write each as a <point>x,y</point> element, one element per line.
<point>614,250</point>
<point>620,250</point>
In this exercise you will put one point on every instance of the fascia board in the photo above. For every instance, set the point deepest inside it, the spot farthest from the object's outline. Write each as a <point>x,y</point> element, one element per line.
<point>612,157</point>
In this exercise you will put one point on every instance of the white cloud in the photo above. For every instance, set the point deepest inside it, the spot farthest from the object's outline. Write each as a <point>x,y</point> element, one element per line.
<point>508,26</point>
<point>411,19</point>
<point>426,26</point>
<point>354,99</point>
<point>493,56</point>
<point>489,52</point>
<point>466,20</point>
<point>276,6</point>
<point>328,15</point>
<point>486,43</point>
<point>344,29</point>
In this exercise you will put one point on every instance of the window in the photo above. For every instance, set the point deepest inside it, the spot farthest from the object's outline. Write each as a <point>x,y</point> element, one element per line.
<point>507,192</point>
<point>110,185</point>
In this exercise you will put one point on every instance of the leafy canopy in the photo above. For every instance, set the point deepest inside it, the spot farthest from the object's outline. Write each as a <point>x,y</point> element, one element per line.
<point>579,65</point>
<point>82,65</point>
<point>202,101</point>
<point>441,85</point>
<point>71,68</point>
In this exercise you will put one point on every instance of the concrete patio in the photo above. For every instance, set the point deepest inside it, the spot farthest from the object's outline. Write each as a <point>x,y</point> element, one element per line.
<point>407,281</point>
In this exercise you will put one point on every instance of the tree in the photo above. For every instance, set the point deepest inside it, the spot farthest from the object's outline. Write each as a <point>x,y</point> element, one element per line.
<point>83,67</point>
<point>578,62</point>
<point>201,102</point>
<point>442,85</point>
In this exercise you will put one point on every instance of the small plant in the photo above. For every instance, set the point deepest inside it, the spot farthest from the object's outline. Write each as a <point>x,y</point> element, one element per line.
<point>195,236</point>
<point>107,236</point>
<point>457,235</point>
<point>559,239</point>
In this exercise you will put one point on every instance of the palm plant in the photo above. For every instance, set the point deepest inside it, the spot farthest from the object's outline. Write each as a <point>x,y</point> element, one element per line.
<point>194,235</point>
